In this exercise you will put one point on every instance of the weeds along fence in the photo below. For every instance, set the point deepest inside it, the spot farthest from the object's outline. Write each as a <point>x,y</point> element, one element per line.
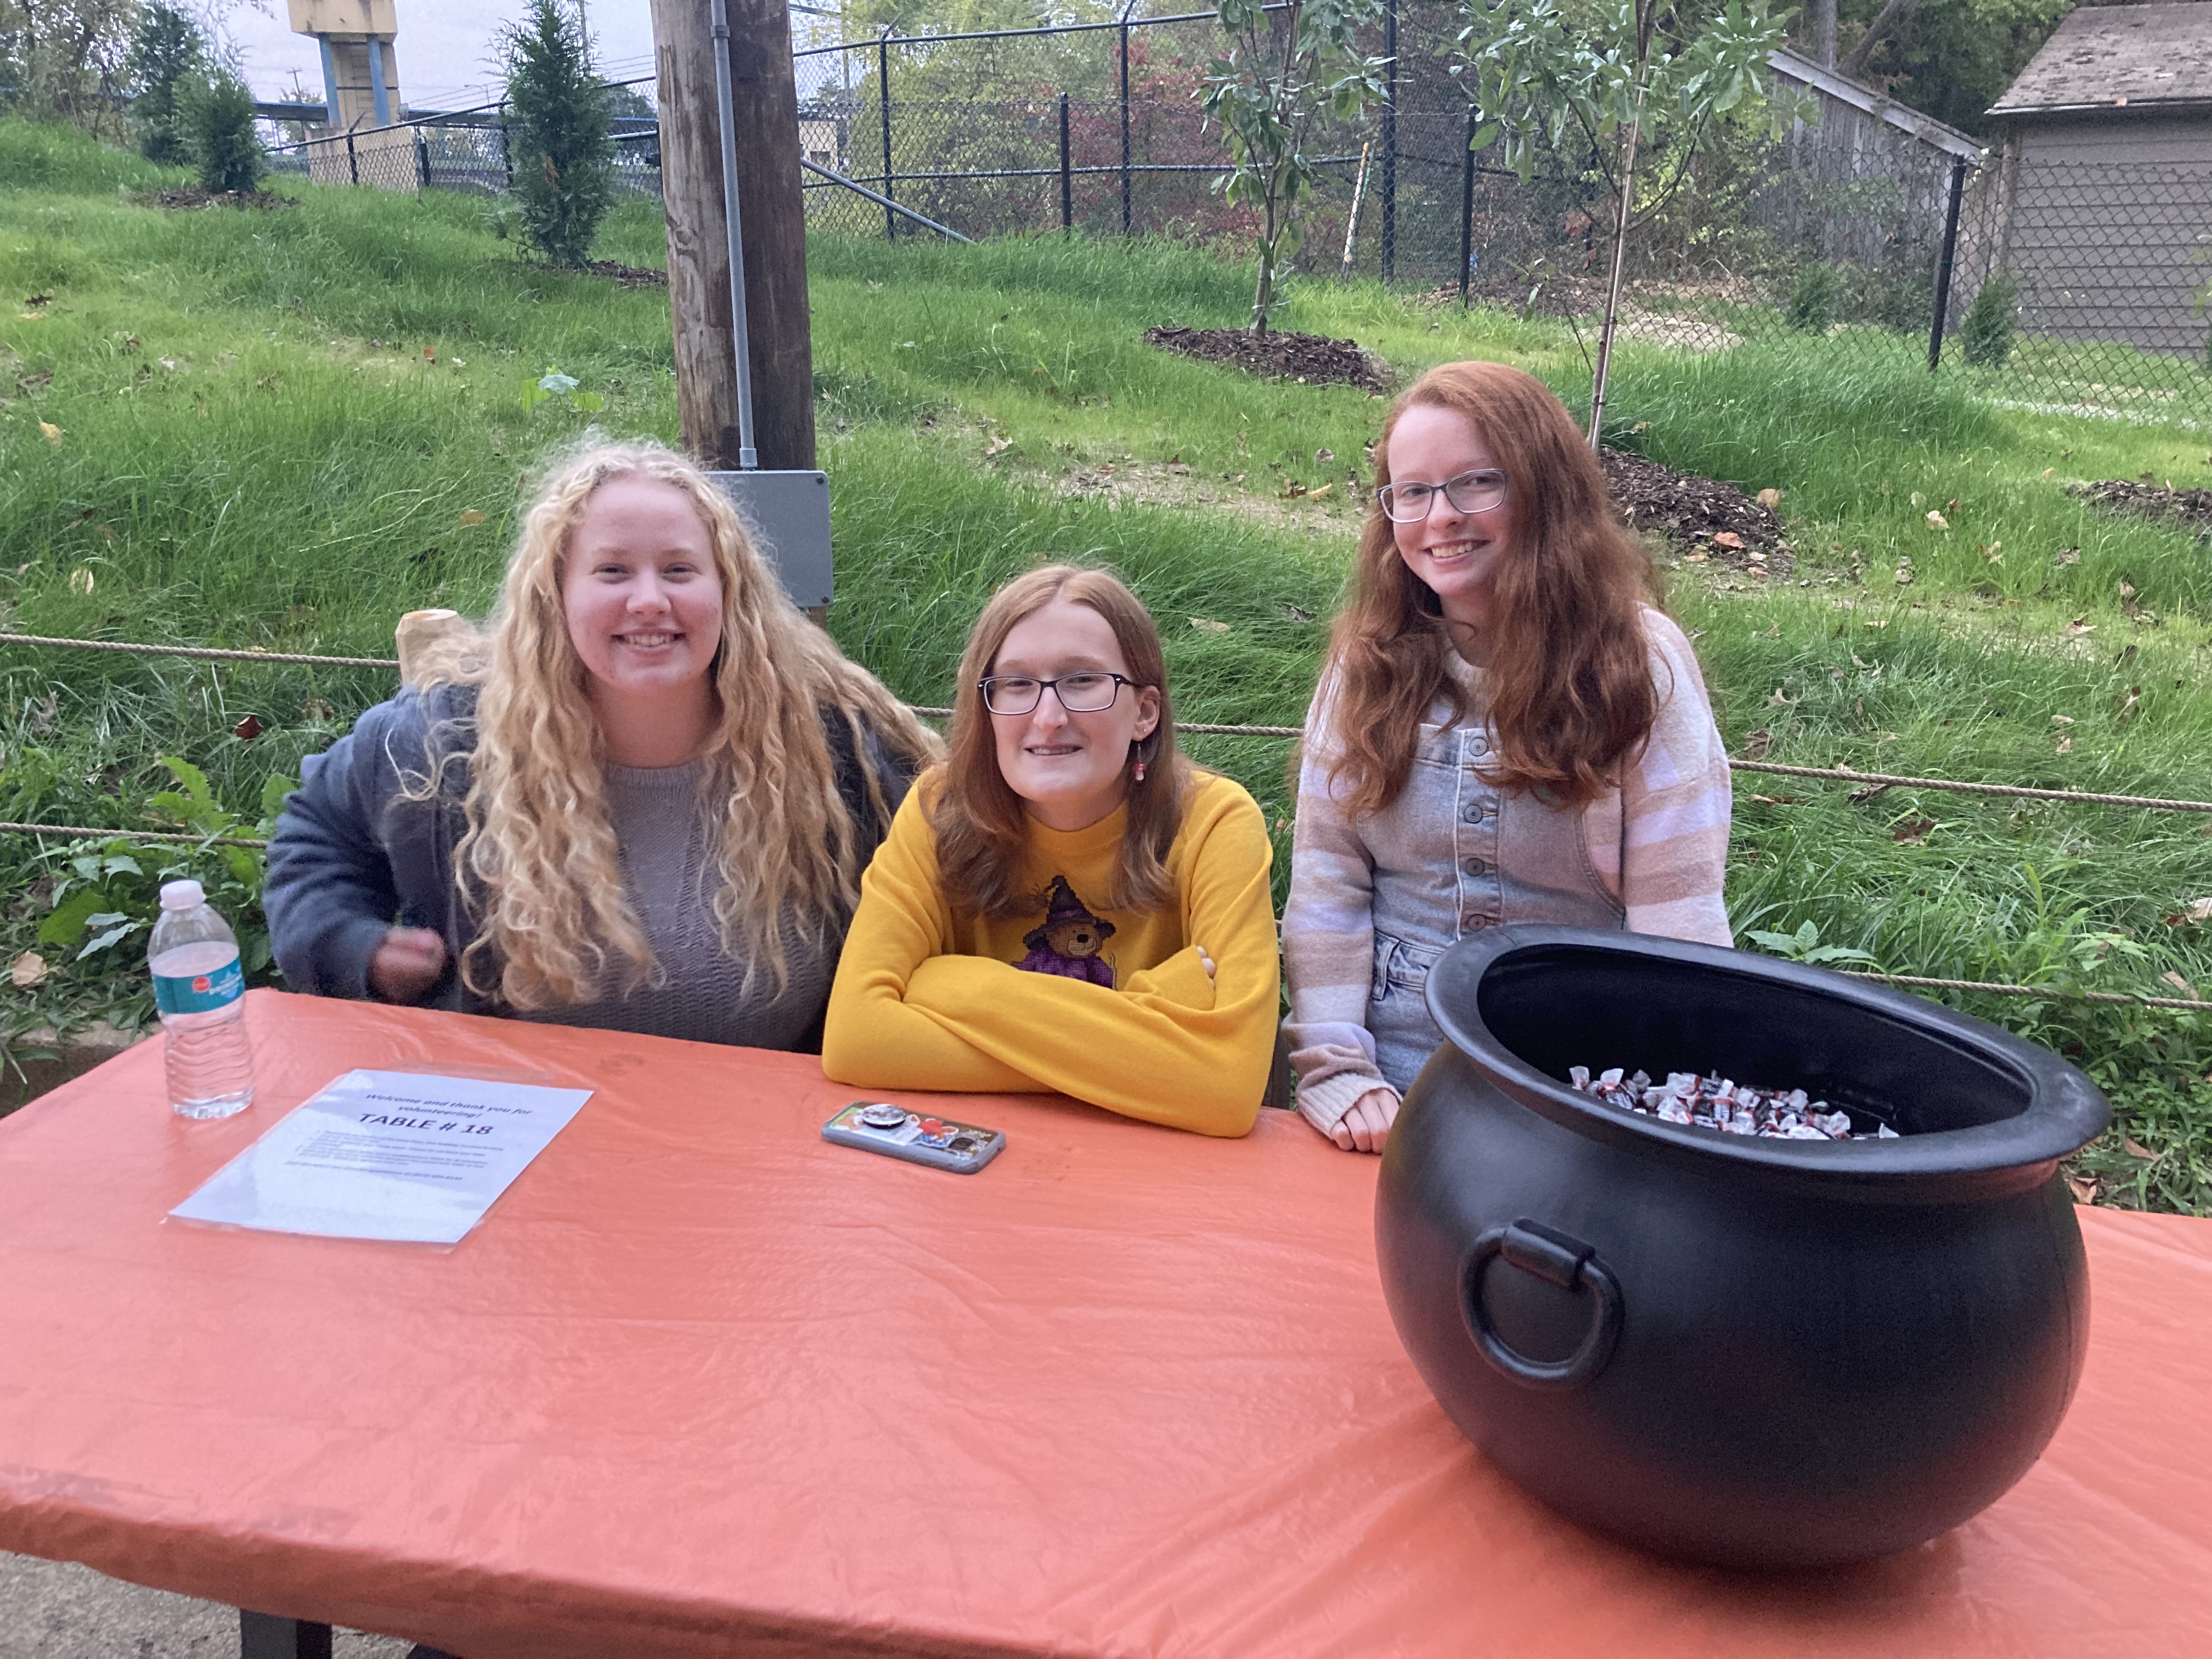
<point>2071,288</point>
<point>1860,782</point>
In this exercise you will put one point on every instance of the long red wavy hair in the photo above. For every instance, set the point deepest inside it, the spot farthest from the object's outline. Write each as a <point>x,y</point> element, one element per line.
<point>1566,683</point>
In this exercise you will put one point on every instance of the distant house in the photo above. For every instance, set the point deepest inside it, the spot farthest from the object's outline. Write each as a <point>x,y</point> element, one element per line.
<point>1864,146</point>
<point>2101,203</point>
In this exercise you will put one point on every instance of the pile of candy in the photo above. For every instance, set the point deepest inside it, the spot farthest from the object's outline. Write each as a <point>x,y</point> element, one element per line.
<point>1718,1103</point>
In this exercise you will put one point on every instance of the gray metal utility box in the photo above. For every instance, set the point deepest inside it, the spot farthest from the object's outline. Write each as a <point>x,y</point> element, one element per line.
<point>789,516</point>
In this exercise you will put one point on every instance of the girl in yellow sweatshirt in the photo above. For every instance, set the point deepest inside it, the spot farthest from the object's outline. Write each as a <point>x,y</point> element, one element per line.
<point>1067,903</point>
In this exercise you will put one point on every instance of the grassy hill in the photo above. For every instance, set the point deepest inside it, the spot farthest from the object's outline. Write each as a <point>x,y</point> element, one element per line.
<point>281,429</point>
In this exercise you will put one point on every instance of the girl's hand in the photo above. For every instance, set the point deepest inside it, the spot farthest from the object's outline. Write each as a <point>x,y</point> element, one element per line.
<point>1205,960</point>
<point>408,962</point>
<point>1367,1125</point>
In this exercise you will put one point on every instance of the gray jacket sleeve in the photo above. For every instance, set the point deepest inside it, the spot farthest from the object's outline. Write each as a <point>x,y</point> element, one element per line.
<point>336,881</point>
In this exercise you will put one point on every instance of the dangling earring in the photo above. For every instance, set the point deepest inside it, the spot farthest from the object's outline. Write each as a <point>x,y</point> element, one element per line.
<point>1141,771</point>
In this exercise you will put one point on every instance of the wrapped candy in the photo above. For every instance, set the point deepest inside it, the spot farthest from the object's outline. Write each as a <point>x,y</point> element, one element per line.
<point>1719,1103</point>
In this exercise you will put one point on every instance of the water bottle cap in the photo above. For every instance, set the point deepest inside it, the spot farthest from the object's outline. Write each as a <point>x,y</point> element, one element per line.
<point>182,895</point>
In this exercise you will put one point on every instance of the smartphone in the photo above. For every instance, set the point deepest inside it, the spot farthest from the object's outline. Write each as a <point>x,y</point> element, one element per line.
<point>876,1126</point>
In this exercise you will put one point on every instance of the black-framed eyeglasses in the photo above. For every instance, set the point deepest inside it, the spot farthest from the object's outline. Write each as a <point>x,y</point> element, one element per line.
<point>1083,693</point>
<point>1409,502</point>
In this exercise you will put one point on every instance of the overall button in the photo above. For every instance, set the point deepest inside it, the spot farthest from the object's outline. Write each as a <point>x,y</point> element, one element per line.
<point>1477,744</point>
<point>1473,923</point>
<point>1475,868</point>
<point>1475,812</point>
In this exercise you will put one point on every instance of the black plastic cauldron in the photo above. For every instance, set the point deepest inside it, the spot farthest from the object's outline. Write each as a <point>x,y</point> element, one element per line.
<point>1754,1352</point>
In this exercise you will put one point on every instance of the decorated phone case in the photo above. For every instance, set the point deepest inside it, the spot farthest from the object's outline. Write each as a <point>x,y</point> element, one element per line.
<point>878,1126</point>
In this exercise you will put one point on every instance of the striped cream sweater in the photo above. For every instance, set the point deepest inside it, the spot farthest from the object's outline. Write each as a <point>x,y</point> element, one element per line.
<point>1658,844</point>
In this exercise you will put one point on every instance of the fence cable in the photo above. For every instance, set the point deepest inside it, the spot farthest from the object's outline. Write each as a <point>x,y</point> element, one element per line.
<point>1838,773</point>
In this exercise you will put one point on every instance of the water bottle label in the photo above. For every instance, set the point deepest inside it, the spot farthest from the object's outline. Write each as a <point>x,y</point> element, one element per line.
<point>200,993</point>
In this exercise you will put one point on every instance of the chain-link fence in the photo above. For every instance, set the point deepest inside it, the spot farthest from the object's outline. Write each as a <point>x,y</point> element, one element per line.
<point>462,150</point>
<point>1869,234</point>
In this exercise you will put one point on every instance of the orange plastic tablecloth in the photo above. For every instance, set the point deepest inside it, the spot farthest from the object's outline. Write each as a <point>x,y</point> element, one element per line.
<point>702,1383</point>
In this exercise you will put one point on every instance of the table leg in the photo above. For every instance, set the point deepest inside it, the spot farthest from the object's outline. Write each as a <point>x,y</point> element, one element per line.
<point>264,1636</point>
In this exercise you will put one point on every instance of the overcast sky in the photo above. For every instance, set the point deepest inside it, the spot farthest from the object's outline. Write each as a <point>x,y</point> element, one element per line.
<point>445,47</point>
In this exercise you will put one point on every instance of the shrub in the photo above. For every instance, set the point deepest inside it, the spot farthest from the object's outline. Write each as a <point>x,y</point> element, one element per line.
<point>218,122</point>
<point>556,132</point>
<point>1992,322</point>
<point>164,54</point>
<point>1813,297</point>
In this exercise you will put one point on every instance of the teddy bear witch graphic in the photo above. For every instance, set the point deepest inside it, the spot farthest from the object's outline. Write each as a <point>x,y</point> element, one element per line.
<point>1069,942</point>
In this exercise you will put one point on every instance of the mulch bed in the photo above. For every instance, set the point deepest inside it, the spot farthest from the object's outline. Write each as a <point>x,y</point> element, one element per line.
<point>1703,515</point>
<point>1309,358</point>
<point>2147,499</point>
<point>266,200</point>
<point>628,275</point>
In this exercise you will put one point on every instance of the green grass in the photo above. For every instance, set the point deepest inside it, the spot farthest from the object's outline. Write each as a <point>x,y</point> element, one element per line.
<point>255,450</point>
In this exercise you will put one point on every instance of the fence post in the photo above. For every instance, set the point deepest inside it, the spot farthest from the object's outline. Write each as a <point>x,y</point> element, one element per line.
<point>353,160</point>
<point>506,149</point>
<point>1125,10</point>
<point>422,160</point>
<point>883,101</point>
<point>1066,179</point>
<point>1467,207</point>
<point>1943,265</point>
<point>1390,142</point>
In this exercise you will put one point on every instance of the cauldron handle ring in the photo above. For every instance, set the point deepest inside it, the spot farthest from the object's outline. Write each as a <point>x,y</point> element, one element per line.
<point>1557,1258</point>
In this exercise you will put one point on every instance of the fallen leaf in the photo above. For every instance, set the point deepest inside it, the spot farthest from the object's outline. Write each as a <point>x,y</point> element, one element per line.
<point>2065,745</point>
<point>2062,719</point>
<point>1904,575</point>
<point>2048,470</point>
<point>1778,800</point>
<point>1868,791</point>
<point>2169,977</point>
<point>1205,626</point>
<point>1937,521</point>
<point>1315,494</point>
<point>1178,469</point>
<point>1323,457</point>
<point>2078,627</point>
<point>28,971</point>
<point>2127,588</point>
<point>1757,744</point>
<point>2068,555</point>
<point>2084,1188</point>
<point>1291,489</point>
<point>1913,831</point>
<point>81,581</point>
<point>1729,538</point>
<point>39,299</point>
<point>1757,555</point>
<point>50,433</point>
<point>1769,499</point>
<point>2137,1149</point>
<point>1298,614</point>
<point>30,316</point>
<point>997,447</point>
<point>1696,558</point>
<point>430,353</point>
<point>2195,911</point>
<point>247,729</point>
<point>472,517</point>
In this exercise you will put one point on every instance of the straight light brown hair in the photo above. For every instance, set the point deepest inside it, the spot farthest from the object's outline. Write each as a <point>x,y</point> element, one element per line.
<point>981,824</point>
<point>1567,678</point>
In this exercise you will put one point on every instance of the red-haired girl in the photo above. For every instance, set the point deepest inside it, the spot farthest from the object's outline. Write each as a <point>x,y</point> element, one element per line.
<point>1508,729</point>
<point>1066,903</point>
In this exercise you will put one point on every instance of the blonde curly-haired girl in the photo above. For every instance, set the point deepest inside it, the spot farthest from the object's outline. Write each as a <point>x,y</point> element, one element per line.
<point>641,798</point>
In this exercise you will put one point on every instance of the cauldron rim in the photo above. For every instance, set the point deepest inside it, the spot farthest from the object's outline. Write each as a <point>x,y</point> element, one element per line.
<point>2064,1111</point>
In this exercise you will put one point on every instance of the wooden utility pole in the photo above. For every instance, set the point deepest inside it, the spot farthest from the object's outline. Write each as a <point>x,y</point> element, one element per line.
<point>773,213</point>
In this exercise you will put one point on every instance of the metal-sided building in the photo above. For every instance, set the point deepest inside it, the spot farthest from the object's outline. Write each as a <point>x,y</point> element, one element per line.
<point>2101,196</point>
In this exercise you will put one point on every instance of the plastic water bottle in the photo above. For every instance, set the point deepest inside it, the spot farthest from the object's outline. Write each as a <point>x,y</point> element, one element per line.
<point>200,989</point>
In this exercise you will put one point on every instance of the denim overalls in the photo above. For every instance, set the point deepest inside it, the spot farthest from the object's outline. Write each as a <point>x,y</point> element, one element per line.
<point>1452,856</point>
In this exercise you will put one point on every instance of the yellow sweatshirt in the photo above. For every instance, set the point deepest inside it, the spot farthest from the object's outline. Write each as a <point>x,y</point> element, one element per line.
<point>1111,1006</point>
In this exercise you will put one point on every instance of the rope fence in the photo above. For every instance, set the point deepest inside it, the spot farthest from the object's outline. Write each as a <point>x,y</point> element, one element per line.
<point>1838,773</point>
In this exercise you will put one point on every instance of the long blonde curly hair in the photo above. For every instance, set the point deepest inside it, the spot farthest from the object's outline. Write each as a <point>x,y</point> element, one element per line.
<point>538,867</point>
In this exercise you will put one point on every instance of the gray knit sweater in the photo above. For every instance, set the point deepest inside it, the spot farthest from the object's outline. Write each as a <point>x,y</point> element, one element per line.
<point>661,827</point>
